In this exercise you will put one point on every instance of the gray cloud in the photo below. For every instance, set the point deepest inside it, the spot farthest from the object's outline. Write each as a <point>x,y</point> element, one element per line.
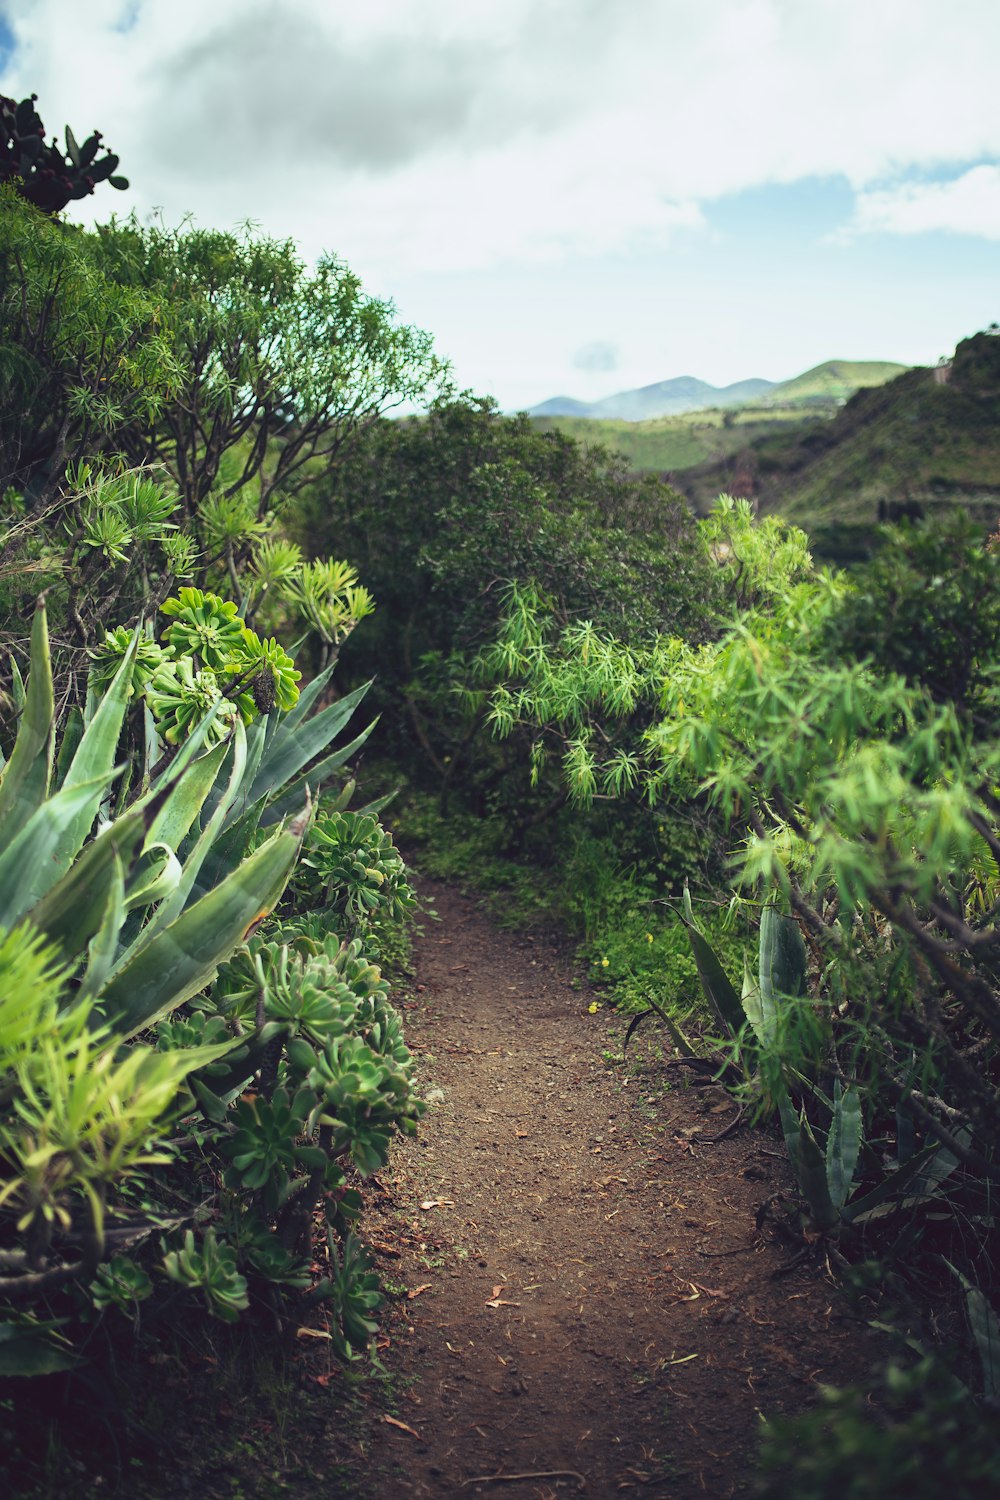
<point>597,357</point>
<point>280,88</point>
<point>281,85</point>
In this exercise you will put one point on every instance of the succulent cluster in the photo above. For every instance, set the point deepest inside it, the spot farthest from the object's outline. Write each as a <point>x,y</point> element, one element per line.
<point>46,175</point>
<point>286,1064</point>
<point>352,868</point>
<point>332,1083</point>
<point>211,660</point>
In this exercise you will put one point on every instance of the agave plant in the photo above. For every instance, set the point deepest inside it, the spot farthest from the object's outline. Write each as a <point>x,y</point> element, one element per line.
<point>109,921</point>
<point>753,1025</point>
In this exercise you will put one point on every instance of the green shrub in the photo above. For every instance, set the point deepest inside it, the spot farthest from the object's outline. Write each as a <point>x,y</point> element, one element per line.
<point>921,1437</point>
<point>103,937</point>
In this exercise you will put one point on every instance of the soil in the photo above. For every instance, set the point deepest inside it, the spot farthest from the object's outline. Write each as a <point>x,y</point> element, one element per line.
<point>588,1305</point>
<point>579,1299</point>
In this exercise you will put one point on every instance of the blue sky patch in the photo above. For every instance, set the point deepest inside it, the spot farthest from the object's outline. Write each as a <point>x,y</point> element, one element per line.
<point>8,42</point>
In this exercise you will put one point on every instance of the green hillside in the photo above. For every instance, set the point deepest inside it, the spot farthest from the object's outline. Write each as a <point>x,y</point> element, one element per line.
<point>928,439</point>
<point>836,380</point>
<point>672,443</point>
<point>665,444</point>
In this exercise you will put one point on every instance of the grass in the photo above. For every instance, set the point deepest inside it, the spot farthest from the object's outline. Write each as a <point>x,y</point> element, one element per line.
<point>836,380</point>
<point>667,444</point>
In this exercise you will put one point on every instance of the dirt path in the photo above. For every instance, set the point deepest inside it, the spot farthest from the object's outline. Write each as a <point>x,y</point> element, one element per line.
<point>582,1298</point>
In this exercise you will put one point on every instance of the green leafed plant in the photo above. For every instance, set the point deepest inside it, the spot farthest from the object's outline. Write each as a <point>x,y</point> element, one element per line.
<point>111,917</point>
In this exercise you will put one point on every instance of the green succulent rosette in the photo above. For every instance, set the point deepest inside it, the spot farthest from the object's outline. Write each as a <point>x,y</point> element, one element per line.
<point>179,697</point>
<point>107,658</point>
<point>204,626</point>
<point>273,676</point>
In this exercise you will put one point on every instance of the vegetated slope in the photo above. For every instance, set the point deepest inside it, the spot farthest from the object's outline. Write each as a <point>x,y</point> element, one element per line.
<point>928,439</point>
<point>825,385</point>
<point>685,440</point>
<point>836,380</point>
<point>666,444</point>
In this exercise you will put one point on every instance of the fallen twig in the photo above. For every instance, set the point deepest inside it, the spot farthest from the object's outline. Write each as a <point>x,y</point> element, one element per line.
<point>532,1474</point>
<point>740,1250</point>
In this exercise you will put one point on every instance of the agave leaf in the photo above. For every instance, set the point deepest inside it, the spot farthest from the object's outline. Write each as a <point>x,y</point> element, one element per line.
<point>187,799</point>
<point>238,795</point>
<point>790,1128</point>
<point>17,685</point>
<point>72,733</point>
<point>782,971</point>
<point>24,781</point>
<point>227,849</point>
<point>985,1330</point>
<point>182,958</point>
<point>293,747</point>
<point>309,783</point>
<point>26,1351</point>
<point>724,1002</point>
<point>157,873</point>
<point>308,697</point>
<point>73,910</point>
<point>906,1133</point>
<point>751,1002</point>
<point>843,1144</point>
<point>680,1041</point>
<point>94,757</point>
<point>151,746</point>
<point>892,1191</point>
<point>104,943</point>
<point>940,1166</point>
<point>811,1170</point>
<point>37,858</point>
<point>174,903</point>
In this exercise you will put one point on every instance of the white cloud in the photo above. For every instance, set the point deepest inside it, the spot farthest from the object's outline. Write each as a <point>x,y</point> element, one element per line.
<point>969,204</point>
<point>479,134</point>
<point>534,176</point>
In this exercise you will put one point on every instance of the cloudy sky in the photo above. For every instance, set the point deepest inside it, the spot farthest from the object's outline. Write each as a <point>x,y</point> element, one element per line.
<point>574,196</point>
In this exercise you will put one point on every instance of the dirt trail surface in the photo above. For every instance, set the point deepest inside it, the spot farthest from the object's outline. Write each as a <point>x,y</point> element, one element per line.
<point>583,1304</point>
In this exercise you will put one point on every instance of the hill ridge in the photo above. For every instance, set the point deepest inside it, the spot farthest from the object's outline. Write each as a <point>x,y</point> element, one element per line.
<point>832,380</point>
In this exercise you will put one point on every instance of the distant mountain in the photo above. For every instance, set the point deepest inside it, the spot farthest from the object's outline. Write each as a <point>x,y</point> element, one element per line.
<point>825,384</point>
<point>561,406</point>
<point>667,398</point>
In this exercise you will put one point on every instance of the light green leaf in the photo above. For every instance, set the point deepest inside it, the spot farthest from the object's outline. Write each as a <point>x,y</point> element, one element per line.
<point>843,1144</point>
<point>157,873</point>
<point>782,967</point>
<point>94,758</point>
<point>24,781</point>
<point>293,747</point>
<point>37,858</point>
<point>182,958</point>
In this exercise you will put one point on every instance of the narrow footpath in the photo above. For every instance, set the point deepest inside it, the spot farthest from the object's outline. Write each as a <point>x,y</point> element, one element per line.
<point>581,1300</point>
